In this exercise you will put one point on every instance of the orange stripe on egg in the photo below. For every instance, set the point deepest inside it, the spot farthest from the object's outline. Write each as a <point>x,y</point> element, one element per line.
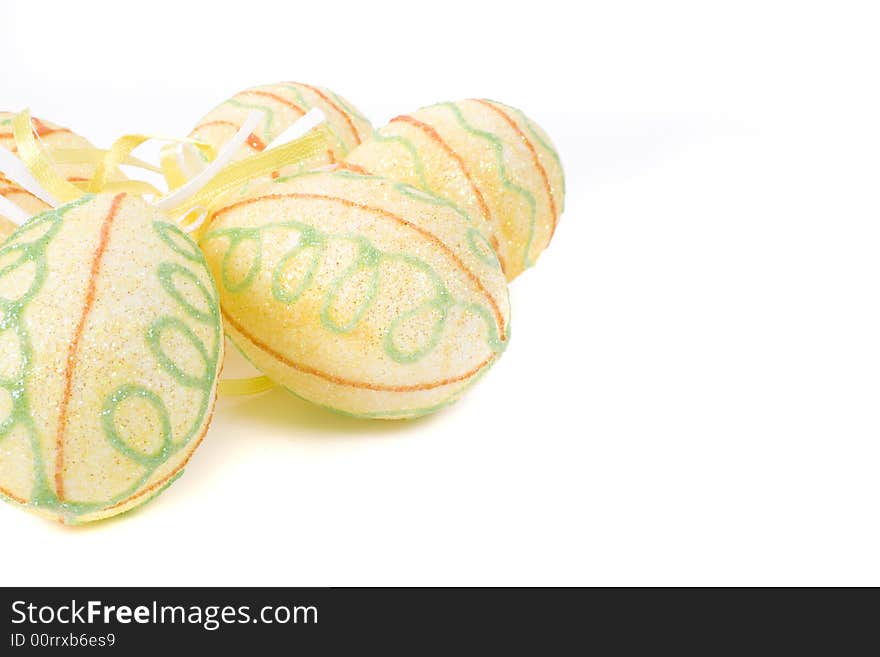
<point>73,349</point>
<point>338,380</point>
<point>354,168</point>
<point>317,91</point>
<point>278,99</point>
<point>44,130</point>
<point>183,464</point>
<point>436,241</point>
<point>11,191</point>
<point>40,129</point>
<point>435,136</point>
<point>535,159</point>
<point>12,496</point>
<point>253,141</point>
<point>208,124</point>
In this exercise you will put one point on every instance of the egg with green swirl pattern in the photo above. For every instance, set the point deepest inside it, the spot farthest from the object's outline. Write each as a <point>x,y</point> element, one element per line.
<point>110,347</point>
<point>361,294</point>
<point>487,158</point>
<point>279,106</point>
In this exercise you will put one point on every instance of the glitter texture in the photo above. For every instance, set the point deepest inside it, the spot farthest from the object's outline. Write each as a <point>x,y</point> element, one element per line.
<point>280,106</point>
<point>110,346</point>
<point>358,293</point>
<point>487,159</point>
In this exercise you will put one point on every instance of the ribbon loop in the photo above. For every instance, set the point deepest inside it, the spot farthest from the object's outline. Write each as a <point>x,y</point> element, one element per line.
<point>38,161</point>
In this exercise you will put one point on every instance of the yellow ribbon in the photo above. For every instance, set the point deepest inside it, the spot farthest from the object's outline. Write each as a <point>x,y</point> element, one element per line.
<point>249,386</point>
<point>37,160</point>
<point>116,154</point>
<point>94,156</point>
<point>259,164</point>
<point>170,167</point>
<point>41,164</point>
<point>121,150</point>
<point>138,187</point>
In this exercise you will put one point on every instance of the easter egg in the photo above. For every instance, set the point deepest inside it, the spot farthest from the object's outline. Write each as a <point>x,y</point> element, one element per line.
<point>489,159</point>
<point>361,294</point>
<point>280,105</point>
<point>110,346</point>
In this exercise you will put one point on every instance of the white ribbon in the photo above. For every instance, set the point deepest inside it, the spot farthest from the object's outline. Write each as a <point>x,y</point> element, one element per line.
<point>17,172</point>
<point>12,212</point>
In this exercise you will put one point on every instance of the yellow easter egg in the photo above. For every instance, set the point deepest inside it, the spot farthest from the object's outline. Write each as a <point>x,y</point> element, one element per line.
<point>280,105</point>
<point>489,159</point>
<point>110,346</point>
<point>361,294</point>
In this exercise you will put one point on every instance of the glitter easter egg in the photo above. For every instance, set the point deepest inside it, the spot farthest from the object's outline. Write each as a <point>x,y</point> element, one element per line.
<point>280,106</point>
<point>488,159</point>
<point>361,294</point>
<point>110,346</point>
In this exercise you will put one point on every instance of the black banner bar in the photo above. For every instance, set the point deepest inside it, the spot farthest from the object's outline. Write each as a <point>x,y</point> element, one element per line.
<point>416,621</point>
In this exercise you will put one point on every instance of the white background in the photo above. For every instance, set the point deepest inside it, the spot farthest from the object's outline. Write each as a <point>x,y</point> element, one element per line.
<point>691,393</point>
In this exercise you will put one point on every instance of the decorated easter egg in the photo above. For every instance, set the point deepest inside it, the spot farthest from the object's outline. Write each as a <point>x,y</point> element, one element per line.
<point>110,345</point>
<point>280,105</point>
<point>361,294</point>
<point>489,159</point>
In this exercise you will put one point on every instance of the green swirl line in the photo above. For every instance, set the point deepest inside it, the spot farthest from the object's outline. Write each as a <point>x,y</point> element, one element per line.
<point>12,318</point>
<point>242,236</point>
<point>417,194</point>
<point>168,232</point>
<point>368,256</point>
<point>108,420</point>
<point>434,197</point>
<point>345,106</point>
<point>267,111</point>
<point>307,106</point>
<point>530,126</point>
<point>410,413</point>
<point>413,153</point>
<point>154,338</point>
<point>486,254</point>
<point>268,133</point>
<point>166,273</point>
<point>498,146</point>
<point>278,290</point>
